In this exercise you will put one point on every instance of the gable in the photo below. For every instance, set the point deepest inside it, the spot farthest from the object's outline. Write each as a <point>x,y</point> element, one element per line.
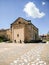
<point>20,21</point>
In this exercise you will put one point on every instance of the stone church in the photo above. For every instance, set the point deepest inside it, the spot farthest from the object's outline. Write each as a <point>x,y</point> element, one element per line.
<point>21,30</point>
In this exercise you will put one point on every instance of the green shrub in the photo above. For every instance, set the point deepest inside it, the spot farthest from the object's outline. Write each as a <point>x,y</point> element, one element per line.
<point>1,40</point>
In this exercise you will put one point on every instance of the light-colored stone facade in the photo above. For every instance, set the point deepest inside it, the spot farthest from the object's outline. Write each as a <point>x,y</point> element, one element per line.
<point>21,30</point>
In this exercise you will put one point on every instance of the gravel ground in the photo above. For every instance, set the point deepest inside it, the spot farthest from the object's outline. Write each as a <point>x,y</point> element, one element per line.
<point>24,54</point>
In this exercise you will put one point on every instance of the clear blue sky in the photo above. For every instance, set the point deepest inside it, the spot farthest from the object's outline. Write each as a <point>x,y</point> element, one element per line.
<point>12,9</point>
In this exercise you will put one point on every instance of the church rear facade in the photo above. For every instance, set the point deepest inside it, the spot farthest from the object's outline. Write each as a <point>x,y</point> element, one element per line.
<point>21,30</point>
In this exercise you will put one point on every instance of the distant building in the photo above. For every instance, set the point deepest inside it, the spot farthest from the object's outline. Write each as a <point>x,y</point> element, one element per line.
<point>21,30</point>
<point>44,37</point>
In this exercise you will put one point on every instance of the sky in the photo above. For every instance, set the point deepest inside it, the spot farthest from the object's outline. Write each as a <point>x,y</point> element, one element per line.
<point>35,10</point>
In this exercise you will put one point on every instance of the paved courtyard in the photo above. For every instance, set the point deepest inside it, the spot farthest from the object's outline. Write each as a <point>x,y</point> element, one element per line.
<point>24,54</point>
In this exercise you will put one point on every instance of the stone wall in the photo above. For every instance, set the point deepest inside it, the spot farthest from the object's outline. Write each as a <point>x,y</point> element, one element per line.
<point>18,33</point>
<point>31,33</point>
<point>6,33</point>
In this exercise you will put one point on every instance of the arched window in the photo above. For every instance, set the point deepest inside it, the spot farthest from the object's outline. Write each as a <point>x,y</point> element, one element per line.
<point>17,35</point>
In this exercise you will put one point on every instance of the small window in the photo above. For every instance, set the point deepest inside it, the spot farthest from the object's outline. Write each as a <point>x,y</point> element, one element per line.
<point>19,22</point>
<point>15,41</point>
<point>17,35</point>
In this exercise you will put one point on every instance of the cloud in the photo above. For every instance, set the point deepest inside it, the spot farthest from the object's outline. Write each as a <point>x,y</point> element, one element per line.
<point>43,3</point>
<point>32,11</point>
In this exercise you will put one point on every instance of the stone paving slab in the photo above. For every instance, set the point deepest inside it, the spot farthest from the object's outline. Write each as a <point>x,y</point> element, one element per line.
<point>24,54</point>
